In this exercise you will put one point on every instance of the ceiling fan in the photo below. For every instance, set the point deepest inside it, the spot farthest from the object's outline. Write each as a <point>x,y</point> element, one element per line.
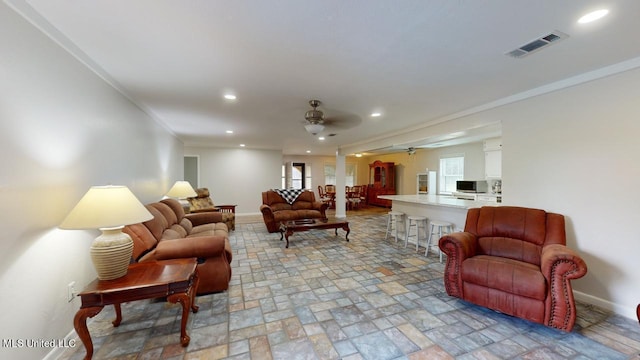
<point>315,118</point>
<point>316,122</point>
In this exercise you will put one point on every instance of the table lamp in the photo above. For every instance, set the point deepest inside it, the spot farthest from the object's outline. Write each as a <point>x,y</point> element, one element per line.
<point>108,208</point>
<point>182,190</point>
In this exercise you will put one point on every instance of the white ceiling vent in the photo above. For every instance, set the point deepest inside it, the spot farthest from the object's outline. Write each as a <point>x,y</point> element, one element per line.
<point>537,44</point>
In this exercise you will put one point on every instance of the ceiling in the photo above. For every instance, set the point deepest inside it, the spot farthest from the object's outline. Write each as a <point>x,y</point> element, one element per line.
<point>414,61</point>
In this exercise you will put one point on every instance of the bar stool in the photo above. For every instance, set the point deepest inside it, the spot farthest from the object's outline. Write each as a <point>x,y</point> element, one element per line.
<point>442,228</point>
<point>394,218</point>
<point>417,221</point>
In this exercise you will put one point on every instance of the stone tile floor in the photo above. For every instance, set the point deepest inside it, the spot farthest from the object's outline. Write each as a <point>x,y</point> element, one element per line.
<point>325,298</point>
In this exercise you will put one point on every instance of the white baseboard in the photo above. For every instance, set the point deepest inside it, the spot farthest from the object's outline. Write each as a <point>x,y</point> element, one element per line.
<point>248,214</point>
<point>626,311</point>
<point>71,338</point>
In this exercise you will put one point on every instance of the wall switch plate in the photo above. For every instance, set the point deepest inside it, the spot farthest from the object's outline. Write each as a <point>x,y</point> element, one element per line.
<point>71,291</point>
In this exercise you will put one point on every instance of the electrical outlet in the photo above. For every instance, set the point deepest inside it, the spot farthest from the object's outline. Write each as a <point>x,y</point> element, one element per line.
<point>71,291</point>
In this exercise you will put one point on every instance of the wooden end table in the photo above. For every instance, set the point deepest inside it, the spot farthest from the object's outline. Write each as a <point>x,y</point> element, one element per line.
<point>287,228</point>
<point>176,279</point>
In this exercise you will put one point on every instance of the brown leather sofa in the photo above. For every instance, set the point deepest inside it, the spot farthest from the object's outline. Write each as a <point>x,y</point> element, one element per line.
<point>514,260</point>
<point>202,203</point>
<point>171,235</point>
<point>276,209</point>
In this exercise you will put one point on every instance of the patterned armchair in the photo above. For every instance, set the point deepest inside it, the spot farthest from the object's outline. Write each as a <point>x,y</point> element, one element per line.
<point>203,203</point>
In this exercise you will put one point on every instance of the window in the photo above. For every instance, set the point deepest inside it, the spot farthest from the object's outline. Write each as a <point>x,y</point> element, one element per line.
<point>451,170</point>
<point>284,177</point>
<point>330,174</point>
<point>308,183</point>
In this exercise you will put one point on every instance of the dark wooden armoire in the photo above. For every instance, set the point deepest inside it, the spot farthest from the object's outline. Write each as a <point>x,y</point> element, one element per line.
<point>382,177</point>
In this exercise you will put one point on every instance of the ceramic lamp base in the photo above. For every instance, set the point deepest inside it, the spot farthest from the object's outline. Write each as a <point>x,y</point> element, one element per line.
<point>111,253</point>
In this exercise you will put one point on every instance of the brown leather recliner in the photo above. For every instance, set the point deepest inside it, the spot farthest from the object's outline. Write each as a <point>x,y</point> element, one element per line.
<point>514,260</point>
<point>172,235</point>
<point>275,209</point>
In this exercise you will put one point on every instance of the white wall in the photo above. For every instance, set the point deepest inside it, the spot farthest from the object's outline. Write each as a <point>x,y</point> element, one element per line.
<point>576,151</point>
<point>238,176</point>
<point>62,130</point>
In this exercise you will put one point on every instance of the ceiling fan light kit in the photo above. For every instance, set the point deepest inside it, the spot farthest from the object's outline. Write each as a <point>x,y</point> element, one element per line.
<point>315,118</point>
<point>314,129</point>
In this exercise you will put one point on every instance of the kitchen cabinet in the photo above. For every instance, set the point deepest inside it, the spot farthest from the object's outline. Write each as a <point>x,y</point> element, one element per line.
<point>493,159</point>
<point>493,164</point>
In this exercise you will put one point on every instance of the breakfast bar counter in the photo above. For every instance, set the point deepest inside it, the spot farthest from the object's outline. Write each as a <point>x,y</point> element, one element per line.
<point>436,207</point>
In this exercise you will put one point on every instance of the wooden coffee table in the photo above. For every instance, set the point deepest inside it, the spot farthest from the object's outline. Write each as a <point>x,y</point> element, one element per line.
<point>287,228</point>
<point>176,279</point>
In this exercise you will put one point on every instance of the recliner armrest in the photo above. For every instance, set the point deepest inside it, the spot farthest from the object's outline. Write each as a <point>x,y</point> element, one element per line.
<point>458,246</point>
<point>559,260</point>
<point>206,217</point>
<point>559,265</point>
<point>199,247</point>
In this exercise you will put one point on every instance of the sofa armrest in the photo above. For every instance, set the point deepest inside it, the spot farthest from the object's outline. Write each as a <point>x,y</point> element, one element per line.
<point>265,207</point>
<point>201,247</point>
<point>458,246</point>
<point>560,265</point>
<point>269,218</point>
<point>206,217</point>
<point>322,207</point>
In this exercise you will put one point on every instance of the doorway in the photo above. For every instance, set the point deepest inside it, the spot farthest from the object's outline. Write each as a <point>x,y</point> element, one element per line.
<point>298,176</point>
<point>192,170</point>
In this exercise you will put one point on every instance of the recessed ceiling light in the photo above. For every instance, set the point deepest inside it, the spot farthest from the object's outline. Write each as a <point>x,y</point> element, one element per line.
<point>321,138</point>
<point>229,131</point>
<point>308,151</point>
<point>358,155</point>
<point>593,16</point>
<point>242,145</point>
<point>229,96</point>
<point>375,114</point>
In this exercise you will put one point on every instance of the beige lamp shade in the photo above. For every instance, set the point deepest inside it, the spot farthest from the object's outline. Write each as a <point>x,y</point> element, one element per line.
<point>108,208</point>
<point>181,190</point>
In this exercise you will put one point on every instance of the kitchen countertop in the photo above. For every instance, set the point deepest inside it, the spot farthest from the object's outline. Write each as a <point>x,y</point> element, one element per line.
<point>439,200</point>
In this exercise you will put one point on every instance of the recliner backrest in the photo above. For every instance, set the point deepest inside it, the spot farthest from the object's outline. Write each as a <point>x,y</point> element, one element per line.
<point>514,232</point>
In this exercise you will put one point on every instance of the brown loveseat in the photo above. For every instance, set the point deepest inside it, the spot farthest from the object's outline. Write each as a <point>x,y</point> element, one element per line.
<point>514,260</point>
<point>171,234</point>
<point>276,209</point>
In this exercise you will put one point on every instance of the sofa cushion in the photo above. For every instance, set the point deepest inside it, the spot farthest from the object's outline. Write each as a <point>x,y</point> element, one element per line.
<point>515,249</point>
<point>167,212</point>
<point>302,205</point>
<point>187,225</point>
<point>280,206</point>
<point>158,224</point>
<point>143,240</point>
<point>182,232</point>
<point>287,215</point>
<point>171,234</point>
<point>211,229</point>
<point>507,275</point>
